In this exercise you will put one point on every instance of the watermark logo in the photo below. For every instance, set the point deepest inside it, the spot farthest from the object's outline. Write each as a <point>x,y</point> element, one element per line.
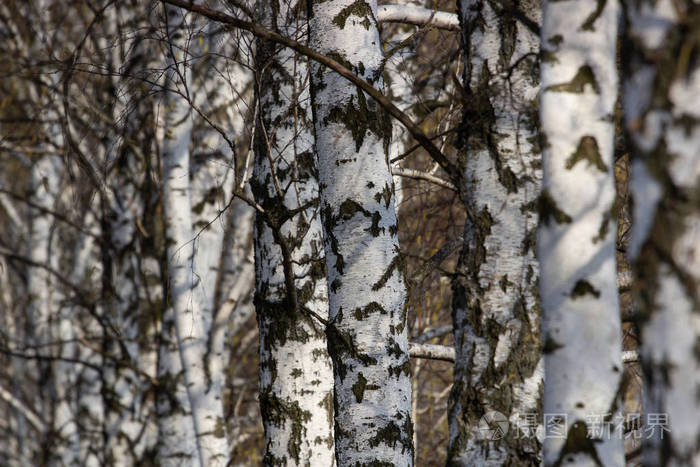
<point>493,425</point>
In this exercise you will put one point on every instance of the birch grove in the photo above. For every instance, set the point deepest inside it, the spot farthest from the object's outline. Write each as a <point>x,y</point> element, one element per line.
<point>349,232</point>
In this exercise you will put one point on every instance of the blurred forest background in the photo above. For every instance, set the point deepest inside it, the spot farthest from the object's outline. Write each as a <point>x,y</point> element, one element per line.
<point>84,286</point>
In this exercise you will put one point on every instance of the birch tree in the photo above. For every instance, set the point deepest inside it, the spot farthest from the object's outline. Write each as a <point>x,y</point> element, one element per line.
<point>191,323</point>
<point>49,330</point>
<point>576,243</point>
<point>661,117</point>
<point>498,365</point>
<point>296,374</point>
<point>367,335</point>
<point>133,246</point>
<point>219,83</point>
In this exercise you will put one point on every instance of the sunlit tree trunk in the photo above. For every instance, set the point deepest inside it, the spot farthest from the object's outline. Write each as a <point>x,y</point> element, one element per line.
<point>400,87</point>
<point>662,119</point>
<point>576,244</point>
<point>223,226</point>
<point>367,326</point>
<point>498,364</point>
<point>219,85</point>
<point>191,321</point>
<point>296,373</point>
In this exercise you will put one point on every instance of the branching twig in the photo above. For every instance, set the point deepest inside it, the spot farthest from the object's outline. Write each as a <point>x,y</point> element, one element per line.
<point>419,16</point>
<point>419,175</point>
<point>431,352</point>
<point>382,100</point>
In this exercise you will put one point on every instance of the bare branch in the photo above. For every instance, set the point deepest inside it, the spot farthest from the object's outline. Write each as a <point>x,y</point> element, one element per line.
<point>624,281</point>
<point>419,175</point>
<point>630,356</point>
<point>28,413</point>
<point>343,71</point>
<point>447,354</point>
<point>419,16</point>
<point>432,352</point>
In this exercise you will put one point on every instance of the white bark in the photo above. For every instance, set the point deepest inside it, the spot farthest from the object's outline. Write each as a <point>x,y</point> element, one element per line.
<point>192,324</point>
<point>133,253</point>
<point>212,179</point>
<point>432,352</point>
<point>223,226</point>
<point>296,373</point>
<point>412,14</point>
<point>662,118</point>
<point>367,327</point>
<point>576,244</point>
<point>50,330</point>
<point>498,361</point>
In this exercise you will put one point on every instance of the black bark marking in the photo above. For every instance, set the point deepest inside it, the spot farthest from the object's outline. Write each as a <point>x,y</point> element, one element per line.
<point>587,150</point>
<point>360,118</point>
<point>550,345</point>
<point>361,386</point>
<point>578,441</point>
<point>549,210</point>
<point>577,85</point>
<point>397,262</point>
<point>360,8</point>
<point>582,288</point>
<point>593,17</point>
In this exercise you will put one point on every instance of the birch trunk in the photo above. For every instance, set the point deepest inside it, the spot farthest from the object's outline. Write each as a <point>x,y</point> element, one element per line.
<point>212,179</point>
<point>576,244</point>
<point>662,119</point>
<point>48,328</point>
<point>190,319</point>
<point>223,226</point>
<point>39,284</point>
<point>87,388</point>
<point>498,366</point>
<point>367,326</point>
<point>133,262</point>
<point>400,86</point>
<point>296,373</point>
<point>177,440</point>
